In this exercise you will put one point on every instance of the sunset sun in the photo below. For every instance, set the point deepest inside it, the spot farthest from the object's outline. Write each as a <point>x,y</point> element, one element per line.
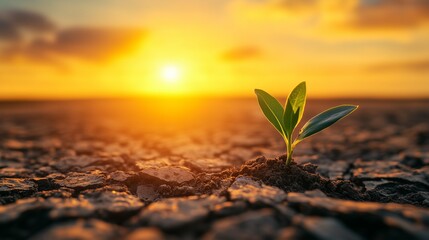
<point>170,73</point>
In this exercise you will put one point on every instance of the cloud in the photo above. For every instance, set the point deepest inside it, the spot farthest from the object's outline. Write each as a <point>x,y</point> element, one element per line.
<point>357,15</point>
<point>8,31</point>
<point>93,44</point>
<point>14,23</point>
<point>389,14</point>
<point>241,53</point>
<point>30,20</point>
<point>411,65</point>
<point>297,6</point>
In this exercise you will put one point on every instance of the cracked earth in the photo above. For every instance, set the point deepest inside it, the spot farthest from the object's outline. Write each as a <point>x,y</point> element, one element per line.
<point>210,169</point>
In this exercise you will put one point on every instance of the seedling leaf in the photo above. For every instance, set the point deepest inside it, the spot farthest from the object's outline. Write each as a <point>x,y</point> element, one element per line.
<point>324,120</point>
<point>271,108</point>
<point>294,108</point>
<point>287,119</point>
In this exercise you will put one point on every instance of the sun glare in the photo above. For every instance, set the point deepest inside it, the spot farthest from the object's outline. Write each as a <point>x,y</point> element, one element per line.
<point>170,73</point>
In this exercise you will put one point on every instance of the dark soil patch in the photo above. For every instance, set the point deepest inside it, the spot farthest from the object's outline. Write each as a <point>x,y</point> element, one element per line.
<point>292,178</point>
<point>273,172</point>
<point>297,178</point>
<point>403,193</point>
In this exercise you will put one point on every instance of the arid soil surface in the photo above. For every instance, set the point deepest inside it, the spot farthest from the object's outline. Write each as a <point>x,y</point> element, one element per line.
<point>210,169</point>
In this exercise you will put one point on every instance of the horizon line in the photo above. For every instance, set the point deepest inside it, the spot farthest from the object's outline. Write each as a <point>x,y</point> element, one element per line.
<point>141,97</point>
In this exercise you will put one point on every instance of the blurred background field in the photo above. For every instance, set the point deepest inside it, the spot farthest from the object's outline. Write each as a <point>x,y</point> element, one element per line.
<point>213,127</point>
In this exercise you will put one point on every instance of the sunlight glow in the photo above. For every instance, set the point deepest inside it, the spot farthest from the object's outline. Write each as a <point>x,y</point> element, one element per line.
<point>170,73</point>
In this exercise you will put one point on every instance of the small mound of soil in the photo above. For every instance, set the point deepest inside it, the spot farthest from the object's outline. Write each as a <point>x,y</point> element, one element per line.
<point>273,172</point>
<point>296,178</point>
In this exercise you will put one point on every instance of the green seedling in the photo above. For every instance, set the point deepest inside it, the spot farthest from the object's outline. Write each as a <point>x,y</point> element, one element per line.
<point>286,119</point>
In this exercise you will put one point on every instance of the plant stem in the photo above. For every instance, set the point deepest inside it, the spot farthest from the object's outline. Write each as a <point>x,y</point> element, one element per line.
<point>289,151</point>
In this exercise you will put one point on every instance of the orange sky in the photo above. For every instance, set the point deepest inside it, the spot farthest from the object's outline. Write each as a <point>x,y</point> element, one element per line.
<point>342,48</point>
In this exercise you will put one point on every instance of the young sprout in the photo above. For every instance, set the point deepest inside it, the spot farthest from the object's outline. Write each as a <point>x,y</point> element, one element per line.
<point>286,119</point>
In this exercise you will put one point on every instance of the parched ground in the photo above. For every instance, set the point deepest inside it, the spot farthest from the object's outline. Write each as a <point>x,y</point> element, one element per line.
<point>210,169</point>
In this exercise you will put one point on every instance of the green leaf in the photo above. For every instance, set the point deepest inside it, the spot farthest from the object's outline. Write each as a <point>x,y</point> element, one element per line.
<point>272,109</point>
<point>324,120</point>
<point>294,108</point>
